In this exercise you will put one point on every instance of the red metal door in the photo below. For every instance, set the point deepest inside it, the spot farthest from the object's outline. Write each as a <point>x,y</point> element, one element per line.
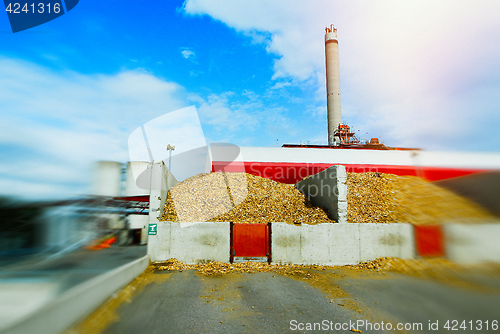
<point>250,242</point>
<point>429,240</point>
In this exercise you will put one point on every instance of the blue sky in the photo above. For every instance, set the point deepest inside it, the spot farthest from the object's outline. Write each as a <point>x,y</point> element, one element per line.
<point>421,74</point>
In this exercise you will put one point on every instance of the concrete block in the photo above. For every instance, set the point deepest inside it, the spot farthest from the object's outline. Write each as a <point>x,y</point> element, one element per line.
<point>470,244</point>
<point>314,244</point>
<point>344,244</point>
<point>407,241</point>
<point>161,182</point>
<point>342,174</point>
<point>372,241</point>
<point>200,242</point>
<point>285,243</point>
<point>342,212</point>
<point>342,207</point>
<point>158,180</point>
<point>159,244</point>
<point>340,244</point>
<point>322,244</point>
<point>326,190</point>
<point>342,184</point>
<point>391,240</point>
<point>190,243</point>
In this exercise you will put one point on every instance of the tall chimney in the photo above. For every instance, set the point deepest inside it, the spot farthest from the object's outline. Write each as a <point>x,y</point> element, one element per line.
<point>332,82</point>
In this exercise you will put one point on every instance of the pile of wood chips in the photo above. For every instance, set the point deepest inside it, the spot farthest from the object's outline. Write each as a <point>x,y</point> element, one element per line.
<point>241,198</point>
<point>414,267</point>
<point>371,198</point>
<point>408,266</point>
<point>388,198</point>
<point>217,268</point>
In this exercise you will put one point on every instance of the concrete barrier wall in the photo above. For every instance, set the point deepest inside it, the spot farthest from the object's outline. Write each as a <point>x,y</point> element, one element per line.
<point>285,243</point>
<point>339,244</point>
<point>324,244</point>
<point>77,303</point>
<point>328,190</point>
<point>470,244</point>
<point>394,240</point>
<point>190,243</point>
<point>161,182</point>
<point>344,244</point>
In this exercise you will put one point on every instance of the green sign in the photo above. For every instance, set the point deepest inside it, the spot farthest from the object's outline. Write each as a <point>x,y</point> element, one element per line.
<point>153,228</point>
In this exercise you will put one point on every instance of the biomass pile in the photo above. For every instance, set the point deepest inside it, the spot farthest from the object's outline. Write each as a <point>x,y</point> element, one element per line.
<point>216,268</point>
<point>239,197</point>
<point>388,198</point>
<point>371,198</point>
<point>415,267</point>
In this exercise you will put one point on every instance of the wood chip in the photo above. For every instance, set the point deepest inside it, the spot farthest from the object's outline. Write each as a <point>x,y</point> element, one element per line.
<point>240,198</point>
<point>217,268</point>
<point>388,198</point>
<point>371,198</point>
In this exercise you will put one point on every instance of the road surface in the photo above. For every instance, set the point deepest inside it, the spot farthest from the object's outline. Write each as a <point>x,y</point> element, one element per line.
<point>335,300</point>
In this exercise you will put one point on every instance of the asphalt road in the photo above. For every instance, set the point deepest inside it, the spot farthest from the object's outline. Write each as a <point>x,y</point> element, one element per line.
<point>236,303</point>
<point>188,302</point>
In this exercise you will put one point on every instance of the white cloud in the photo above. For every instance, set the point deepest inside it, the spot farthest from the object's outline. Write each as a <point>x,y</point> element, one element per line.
<point>224,113</point>
<point>280,85</point>
<point>407,68</point>
<point>292,28</point>
<point>55,124</point>
<point>187,53</point>
<point>59,123</point>
<point>245,118</point>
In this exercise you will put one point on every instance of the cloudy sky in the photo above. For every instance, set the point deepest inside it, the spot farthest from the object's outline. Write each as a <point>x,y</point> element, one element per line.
<point>418,74</point>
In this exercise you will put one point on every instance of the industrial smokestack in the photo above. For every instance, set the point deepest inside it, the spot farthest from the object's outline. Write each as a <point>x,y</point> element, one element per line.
<point>332,82</point>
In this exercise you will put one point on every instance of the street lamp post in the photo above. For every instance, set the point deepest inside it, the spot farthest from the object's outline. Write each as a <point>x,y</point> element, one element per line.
<point>170,148</point>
